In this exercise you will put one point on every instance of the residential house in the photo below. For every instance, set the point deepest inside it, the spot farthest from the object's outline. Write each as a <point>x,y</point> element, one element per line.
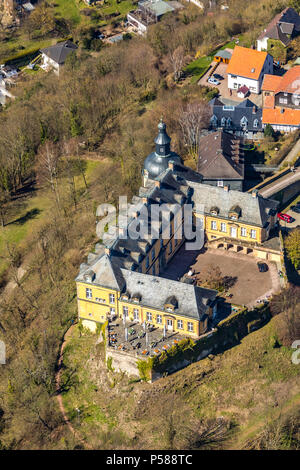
<point>280,31</point>
<point>281,100</point>
<point>247,67</point>
<point>124,277</point>
<point>54,57</point>
<point>150,12</point>
<point>221,160</point>
<point>241,119</point>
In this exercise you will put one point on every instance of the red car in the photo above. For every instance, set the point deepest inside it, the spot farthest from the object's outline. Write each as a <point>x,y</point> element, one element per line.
<point>285,217</point>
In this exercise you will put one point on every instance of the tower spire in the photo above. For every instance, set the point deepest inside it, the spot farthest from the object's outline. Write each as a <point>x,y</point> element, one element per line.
<point>162,141</point>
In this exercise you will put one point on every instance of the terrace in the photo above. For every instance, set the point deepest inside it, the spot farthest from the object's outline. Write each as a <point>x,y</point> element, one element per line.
<point>140,339</point>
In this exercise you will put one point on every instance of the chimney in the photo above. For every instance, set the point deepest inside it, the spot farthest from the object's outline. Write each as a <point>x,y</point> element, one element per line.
<point>157,184</point>
<point>254,193</point>
<point>171,164</point>
<point>226,188</point>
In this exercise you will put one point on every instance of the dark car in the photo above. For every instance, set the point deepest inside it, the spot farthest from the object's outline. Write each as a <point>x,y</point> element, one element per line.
<point>218,77</point>
<point>296,209</point>
<point>262,267</point>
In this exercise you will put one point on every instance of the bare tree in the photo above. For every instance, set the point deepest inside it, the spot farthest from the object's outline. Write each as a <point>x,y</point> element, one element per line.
<point>176,60</point>
<point>48,167</point>
<point>193,118</point>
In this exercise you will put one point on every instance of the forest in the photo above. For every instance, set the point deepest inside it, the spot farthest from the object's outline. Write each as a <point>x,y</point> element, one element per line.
<point>69,144</point>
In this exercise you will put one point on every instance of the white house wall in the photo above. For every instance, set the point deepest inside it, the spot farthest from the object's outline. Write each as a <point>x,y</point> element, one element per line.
<point>262,44</point>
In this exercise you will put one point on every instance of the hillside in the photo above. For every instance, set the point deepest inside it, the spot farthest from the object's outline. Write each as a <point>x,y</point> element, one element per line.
<point>66,146</point>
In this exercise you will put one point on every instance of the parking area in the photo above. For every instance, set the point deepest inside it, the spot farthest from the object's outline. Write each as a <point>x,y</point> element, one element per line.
<point>248,285</point>
<point>223,87</point>
<point>294,215</point>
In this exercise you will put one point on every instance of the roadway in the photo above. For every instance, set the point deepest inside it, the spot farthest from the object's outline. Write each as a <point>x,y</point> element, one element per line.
<point>281,183</point>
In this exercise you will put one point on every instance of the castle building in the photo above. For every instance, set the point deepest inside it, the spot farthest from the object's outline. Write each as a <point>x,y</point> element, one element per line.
<point>124,276</point>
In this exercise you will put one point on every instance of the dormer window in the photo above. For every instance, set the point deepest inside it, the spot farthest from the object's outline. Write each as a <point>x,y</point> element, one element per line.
<point>214,121</point>
<point>244,122</point>
<point>235,212</point>
<point>171,304</point>
<point>223,122</point>
<point>214,210</point>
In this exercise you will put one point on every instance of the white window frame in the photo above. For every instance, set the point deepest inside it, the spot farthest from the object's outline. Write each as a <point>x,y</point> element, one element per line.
<point>149,316</point>
<point>136,314</point>
<point>159,319</point>
<point>252,231</point>
<point>88,293</point>
<point>112,298</point>
<point>243,232</point>
<point>125,310</point>
<point>190,326</point>
<point>213,225</point>
<point>223,226</point>
<point>180,324</point>
<point>220,183</point>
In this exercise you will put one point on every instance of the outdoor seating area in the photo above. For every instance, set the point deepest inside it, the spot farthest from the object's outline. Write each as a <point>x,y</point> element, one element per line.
<point>140,339</point>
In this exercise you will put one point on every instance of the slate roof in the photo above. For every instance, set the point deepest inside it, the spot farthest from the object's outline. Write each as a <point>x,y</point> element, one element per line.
<point>283,26</point>
<point>103,272</point>
<point>192,301</point>
<point>254,210</point>
<point>60,51</point>
<point>246,108</point>
<point>220,157</point>
<point>246,62</point>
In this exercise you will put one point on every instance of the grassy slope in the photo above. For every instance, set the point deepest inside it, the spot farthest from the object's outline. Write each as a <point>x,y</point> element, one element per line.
<point>250,385</point>
<point>33,214</point>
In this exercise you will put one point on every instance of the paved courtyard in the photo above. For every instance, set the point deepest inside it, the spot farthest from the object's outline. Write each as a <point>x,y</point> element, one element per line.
<point>248,284</point>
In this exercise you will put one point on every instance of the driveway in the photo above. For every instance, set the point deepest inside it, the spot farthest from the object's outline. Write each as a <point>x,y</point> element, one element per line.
<point>223,87</point>
<point>249,285</point>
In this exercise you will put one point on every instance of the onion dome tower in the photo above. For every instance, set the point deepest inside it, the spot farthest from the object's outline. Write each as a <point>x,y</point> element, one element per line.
<point>157,162</point>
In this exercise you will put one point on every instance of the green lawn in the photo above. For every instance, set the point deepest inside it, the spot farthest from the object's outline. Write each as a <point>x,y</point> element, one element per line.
<point>69,9</point>
<point>198,67</point>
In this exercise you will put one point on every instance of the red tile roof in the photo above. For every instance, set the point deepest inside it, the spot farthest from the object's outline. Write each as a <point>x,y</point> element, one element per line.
<point>246,62</point>
<point>271,82</point>
<point>290,81</point>
<point>289,117</point>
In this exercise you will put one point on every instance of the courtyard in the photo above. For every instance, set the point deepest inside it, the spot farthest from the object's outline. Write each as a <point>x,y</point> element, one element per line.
<point>247,286</point>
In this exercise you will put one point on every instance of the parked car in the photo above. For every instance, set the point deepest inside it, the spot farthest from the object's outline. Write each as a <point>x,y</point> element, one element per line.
<point>295,209</point>
<point>213,81</point>
<point>218,77</point>
<point>262,267</point>
<point>285,217</point>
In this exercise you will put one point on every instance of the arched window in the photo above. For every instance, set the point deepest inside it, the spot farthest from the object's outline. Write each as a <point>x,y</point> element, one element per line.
<point>214,121</point>
<point>229,122</point>
<point>223,122</point>
<point>255,123</point>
